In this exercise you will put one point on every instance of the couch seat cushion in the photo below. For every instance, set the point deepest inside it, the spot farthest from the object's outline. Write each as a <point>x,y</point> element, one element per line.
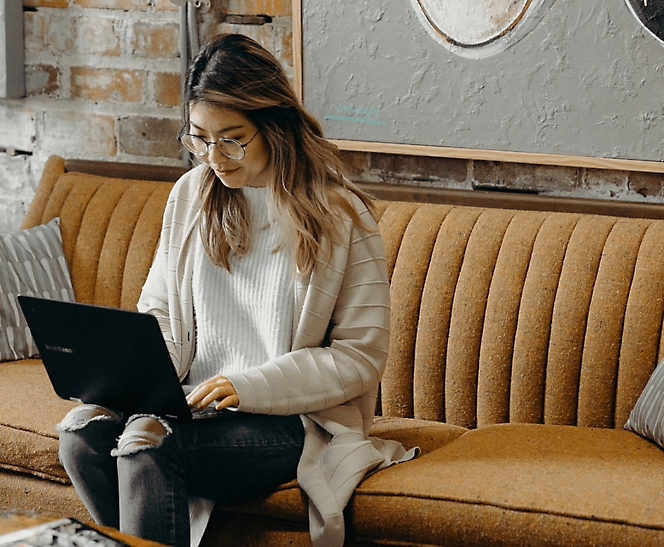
<point>29,412</point>
<point>428,435</point>
<point>519,484</point>
<point>289,502</point>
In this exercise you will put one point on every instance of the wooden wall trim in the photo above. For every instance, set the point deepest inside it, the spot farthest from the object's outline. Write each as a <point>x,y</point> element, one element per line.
<point>116,169</point>
<point>614,164</point>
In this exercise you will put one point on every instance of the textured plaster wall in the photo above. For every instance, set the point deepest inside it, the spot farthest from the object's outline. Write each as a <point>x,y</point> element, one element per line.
<point>586,81</point>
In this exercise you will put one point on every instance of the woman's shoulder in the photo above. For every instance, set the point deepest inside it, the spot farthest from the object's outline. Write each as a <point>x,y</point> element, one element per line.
<point>187,186</point>
<point>360,203</point>
<point>184,200</point>
<point>189,181</point>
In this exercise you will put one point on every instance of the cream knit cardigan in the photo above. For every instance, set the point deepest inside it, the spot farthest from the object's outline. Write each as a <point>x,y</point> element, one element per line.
<point>330,377</point>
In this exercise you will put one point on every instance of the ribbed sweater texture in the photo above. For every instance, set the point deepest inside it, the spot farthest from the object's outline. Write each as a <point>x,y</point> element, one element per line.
<point>243,317</point>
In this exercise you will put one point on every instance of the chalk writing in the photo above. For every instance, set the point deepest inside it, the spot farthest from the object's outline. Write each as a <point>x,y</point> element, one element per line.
<point>358,114</point>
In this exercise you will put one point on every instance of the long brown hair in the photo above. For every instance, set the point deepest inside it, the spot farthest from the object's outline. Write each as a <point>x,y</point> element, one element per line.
<point>310,193</point>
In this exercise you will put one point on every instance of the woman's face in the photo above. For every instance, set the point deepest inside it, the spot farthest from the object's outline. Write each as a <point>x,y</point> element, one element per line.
<point>212,123</point>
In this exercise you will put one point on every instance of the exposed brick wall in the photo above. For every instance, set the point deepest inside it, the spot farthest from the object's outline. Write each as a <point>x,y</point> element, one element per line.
<point>92,64</point>
<point>500,176</point>
<point>103,82</point>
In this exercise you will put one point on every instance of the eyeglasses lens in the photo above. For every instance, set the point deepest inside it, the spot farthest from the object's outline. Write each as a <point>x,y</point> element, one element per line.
<point>194,144</point>
<point>230,148</point>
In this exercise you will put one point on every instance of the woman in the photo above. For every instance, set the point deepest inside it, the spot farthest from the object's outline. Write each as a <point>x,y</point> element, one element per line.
<point>270,287</point>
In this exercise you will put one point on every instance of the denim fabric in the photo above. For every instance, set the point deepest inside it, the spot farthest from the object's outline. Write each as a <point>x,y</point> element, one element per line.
<point>143,488</point>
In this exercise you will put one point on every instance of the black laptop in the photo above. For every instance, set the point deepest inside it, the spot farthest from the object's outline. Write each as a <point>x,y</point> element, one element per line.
<point>106,356</point>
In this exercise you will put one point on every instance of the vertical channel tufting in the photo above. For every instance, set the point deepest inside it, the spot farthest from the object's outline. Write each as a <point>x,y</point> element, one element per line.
<point>65,185</point>
<point>643,323</point>
<point>394,219</point>
<point>534,319</point>
<point>69,200</point>
<point>393,224</point>
<point>121,226</point>
<point>92,234</point>
<point>599,367</point>
<point>467,319</point>
<point>435,311</point>
<point>502,309</point>
<point>143,245</point>
<point>570,316</point>
<point>405,295</point>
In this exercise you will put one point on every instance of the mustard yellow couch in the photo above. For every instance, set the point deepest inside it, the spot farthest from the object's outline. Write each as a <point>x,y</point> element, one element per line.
<point>521,338</point>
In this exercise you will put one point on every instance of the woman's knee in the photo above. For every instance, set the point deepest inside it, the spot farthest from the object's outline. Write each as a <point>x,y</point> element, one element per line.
<point>87,431</point>
<point>142,432</point>
<point>81,416</point>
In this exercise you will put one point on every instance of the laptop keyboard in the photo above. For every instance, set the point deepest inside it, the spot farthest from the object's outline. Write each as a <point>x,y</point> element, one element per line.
<point>209,411</point>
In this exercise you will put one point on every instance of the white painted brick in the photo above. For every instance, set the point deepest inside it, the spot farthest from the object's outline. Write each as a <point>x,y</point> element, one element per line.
<point>16,191</point>
<point>12,212</point>
<point>97,36</point>
<point>60,32</point>
<point>17,128</point>
<point>15,178</point>
<point>77,134</point>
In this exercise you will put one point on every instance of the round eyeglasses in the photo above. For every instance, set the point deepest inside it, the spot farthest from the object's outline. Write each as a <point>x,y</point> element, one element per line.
<point>230,148</point>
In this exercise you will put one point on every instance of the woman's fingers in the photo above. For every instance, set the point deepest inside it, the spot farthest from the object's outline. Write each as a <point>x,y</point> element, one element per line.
<point>228,400</point>
<point>216,388</point>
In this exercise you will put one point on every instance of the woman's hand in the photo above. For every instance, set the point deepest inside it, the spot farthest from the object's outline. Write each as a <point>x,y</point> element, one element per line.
<point>216,388</point>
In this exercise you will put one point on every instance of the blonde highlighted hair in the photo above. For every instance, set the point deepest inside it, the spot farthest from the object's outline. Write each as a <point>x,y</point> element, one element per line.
<point>310,194</point>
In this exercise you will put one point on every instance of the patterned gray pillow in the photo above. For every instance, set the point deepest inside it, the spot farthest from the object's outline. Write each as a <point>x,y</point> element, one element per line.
<point>32,262</point>
<point>647,416</point>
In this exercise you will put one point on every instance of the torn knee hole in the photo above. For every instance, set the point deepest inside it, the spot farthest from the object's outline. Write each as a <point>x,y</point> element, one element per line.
<point>141,433</point>
<point>81,416</point>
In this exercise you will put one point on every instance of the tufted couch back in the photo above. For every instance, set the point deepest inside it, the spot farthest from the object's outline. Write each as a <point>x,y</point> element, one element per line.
<point>110,229</point>
<point>498,315</point>
<point>520,316</point>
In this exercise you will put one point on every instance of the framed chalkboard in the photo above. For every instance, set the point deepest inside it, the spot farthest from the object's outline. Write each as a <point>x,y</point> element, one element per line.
<point>549,82</point>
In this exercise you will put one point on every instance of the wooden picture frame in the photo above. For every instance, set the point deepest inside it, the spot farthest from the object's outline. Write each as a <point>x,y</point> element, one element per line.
<point>460,153</point>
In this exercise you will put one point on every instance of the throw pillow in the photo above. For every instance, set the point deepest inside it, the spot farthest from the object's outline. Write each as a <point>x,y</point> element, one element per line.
<point>32,262</point>
<point>647,416</point>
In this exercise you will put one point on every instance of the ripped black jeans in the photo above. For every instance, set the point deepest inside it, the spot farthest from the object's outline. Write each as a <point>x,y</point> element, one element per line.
<point>137,474</point>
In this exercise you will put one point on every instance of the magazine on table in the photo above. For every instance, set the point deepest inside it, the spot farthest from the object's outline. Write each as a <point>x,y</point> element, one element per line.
<point>66,532</point>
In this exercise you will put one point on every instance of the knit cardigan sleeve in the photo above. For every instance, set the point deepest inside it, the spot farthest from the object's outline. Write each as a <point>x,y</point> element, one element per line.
<point>167,292</point>
<point>340,344</point>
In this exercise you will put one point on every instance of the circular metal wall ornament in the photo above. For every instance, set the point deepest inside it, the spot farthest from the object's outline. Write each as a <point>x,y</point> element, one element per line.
<point>480,28</point>
<point>651,15</point>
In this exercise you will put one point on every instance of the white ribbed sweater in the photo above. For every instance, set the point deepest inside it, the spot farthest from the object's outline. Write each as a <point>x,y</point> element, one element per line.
<point>243,318</point>
<point>341,323</point>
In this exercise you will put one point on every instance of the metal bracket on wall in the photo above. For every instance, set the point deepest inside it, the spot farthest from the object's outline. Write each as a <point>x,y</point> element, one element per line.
<point>197,3</point>
<point>12,79</point>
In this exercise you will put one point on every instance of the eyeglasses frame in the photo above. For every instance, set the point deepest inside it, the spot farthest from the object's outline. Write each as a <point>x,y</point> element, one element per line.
<point>215,143</point>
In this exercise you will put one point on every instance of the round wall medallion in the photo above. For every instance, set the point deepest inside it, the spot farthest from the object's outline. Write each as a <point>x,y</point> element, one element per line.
<point>651,15</point>
<point>479,28</point>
